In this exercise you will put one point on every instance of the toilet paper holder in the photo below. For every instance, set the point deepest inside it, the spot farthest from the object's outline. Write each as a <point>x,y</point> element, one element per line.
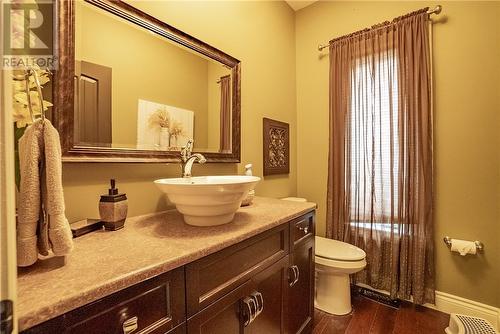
<point>479,244</point>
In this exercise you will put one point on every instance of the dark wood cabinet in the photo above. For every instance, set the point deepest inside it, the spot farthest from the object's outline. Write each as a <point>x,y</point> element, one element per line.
<point>264,284</point>
<point>301,291</point>
<point>151,307</point>
<point>213,276</point>
<point>265,314</point>
<point>302,229</point>
<point>272,284</point>
<point>224,316</point>
<point>301,275</point>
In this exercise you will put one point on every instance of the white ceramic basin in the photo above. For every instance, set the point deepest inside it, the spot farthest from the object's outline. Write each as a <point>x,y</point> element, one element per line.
<point>208,200</point>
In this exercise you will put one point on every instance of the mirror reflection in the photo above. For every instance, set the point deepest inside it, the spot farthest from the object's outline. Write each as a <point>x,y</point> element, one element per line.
<point>135,89</point>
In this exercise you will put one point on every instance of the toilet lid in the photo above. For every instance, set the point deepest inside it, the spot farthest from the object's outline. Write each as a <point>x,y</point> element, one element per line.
<point>338,250</point>
<point>295,199</point>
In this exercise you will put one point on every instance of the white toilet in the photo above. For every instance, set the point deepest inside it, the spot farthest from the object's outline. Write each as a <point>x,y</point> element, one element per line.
<point>335,261</point>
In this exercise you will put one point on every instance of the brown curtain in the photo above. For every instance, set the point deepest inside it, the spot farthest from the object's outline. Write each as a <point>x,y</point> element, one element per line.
<point>225,113</point>
<point>381,160</point>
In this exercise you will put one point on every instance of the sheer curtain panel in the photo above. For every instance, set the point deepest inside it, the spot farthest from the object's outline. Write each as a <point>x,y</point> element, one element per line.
<point>225,113</point>
<point>380,180</point>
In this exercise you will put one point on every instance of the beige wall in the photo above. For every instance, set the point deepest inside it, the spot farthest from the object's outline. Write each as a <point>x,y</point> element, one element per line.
<point>261,35</point>
<point>467,127</point>
<point>144,66</point>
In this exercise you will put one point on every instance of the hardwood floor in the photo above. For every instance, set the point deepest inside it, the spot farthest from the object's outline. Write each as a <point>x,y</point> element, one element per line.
<point>370,317</point>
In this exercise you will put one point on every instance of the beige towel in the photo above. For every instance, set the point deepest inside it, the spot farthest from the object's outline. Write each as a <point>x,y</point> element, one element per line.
<point>60,237</point>
<point>29,197</point>
<point>42,224</point>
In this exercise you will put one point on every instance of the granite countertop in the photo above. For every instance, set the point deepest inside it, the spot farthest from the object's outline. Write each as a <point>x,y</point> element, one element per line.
<point>105,262</point>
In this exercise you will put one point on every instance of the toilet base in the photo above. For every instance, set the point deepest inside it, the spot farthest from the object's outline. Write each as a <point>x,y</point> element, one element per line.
<point>333,293</point>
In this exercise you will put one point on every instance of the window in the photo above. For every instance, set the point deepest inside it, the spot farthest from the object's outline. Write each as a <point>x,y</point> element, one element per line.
<point>373,144</point>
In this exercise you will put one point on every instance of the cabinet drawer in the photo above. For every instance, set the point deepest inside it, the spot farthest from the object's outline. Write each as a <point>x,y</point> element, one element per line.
<point>158,305</point>
<point>210,278</point>
<point>302,228</point>
<point>228,314</point>
<point>154,306</point>
<point>181,329</point>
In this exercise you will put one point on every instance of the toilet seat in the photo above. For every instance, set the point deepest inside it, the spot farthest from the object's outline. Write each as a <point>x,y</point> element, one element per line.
<point>336,265</point>
<point>338,251</point>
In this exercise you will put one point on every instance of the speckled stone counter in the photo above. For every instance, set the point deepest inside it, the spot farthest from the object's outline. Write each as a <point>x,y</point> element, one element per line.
<point>105,262</point>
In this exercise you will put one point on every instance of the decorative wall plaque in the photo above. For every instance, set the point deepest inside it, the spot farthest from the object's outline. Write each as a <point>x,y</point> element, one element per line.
<point>276,147</point>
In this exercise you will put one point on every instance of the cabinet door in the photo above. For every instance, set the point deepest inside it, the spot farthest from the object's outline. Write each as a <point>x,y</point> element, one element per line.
<point>224,316</point>
<point>301,288</point>
<point>272,284</point>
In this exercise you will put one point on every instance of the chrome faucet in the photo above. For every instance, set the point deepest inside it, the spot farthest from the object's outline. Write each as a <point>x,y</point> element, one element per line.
<point>188,159</point>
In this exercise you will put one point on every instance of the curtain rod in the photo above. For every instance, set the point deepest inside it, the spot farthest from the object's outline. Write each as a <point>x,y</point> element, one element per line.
<point>436,11</point>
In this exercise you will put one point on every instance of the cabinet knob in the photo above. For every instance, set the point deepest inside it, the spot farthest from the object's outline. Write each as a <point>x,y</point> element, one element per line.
<point>296,273</point>
<point>130,325</point>
<point>253,306</point>
<point>250,310</point>
<point>304,229</point>
<point>259,300</point>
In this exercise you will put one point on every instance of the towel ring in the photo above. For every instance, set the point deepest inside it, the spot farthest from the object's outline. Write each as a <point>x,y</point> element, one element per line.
<point>26,78</point>
<point>40,94</point>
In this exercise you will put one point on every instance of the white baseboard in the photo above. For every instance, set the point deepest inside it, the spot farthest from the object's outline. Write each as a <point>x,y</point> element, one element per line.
<point>448,303</point>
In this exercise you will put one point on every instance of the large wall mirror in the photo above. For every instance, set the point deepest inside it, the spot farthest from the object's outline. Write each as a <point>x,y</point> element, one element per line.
<point>132,88</point>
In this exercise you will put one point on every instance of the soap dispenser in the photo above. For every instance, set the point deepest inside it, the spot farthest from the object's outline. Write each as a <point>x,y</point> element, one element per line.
<point>251,194</point>
<point>113,208</point>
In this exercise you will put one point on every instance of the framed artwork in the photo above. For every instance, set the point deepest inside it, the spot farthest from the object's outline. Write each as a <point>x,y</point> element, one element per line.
<point>163,127</point>
<point>276,147</point>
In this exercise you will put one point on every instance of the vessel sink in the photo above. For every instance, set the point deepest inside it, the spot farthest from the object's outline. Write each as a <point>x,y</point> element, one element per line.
<point>208,200</point>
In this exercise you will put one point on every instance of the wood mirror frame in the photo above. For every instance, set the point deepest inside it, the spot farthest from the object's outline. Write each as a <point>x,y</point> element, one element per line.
<point>62,114</point>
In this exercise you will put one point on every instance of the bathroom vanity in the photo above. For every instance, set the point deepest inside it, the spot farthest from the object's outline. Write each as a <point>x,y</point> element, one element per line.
<point>160,275</point>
